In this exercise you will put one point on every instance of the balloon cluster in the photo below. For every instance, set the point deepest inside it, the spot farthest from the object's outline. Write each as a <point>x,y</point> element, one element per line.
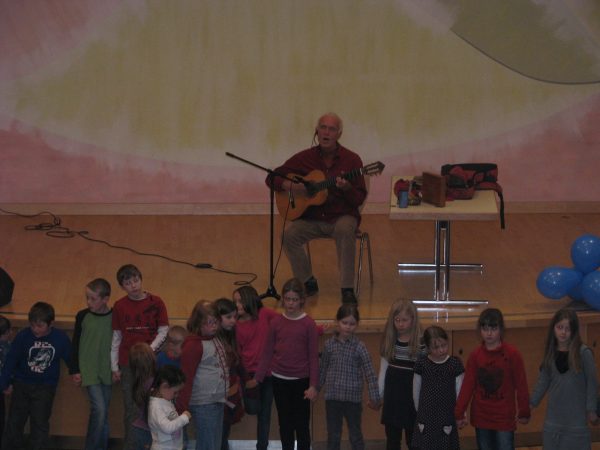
<point>582,282</point>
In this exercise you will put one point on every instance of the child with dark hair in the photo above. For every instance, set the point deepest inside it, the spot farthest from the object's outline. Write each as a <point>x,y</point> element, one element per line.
<point>90,359</point>
<point>234,410</point>
<point>345,365</point>
<point>495,375</point>
<point>165,423</point>
<point>5,335</point>
<point>436,384</point>
<point>251,330</point>
<point>31,375</point>
<point>138,317</point>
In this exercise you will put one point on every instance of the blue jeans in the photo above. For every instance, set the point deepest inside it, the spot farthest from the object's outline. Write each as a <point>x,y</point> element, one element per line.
<point>495,439</point>
<point>335,413</point>
<point>208,423</point>
<point>140,438</point>
<point>97,432</point>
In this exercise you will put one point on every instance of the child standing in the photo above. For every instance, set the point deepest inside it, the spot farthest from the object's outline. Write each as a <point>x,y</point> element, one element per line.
<point>138,317</point>
<point>436,385</point>
<point>165,423</point>
<point>495,373</point>
<point>31,374</point>
<point>90,359</point>
<point>400,348</point>
<point>142,363</point>
<point>345,363</point>
<point>171,355</point>
<point>568,374</point>
<point>251,333</point>
<point>204,363</point>
<point>234,410</point>
<point>291,353</point>
<point>5,335</point>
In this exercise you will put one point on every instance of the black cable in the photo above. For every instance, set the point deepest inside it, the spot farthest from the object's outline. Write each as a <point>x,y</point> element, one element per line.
<point>55,230</point>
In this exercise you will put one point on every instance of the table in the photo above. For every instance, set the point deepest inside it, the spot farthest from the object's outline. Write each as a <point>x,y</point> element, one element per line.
<point>483,206</point>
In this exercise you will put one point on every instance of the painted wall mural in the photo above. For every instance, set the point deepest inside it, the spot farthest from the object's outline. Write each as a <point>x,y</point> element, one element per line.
<point>137,101</point>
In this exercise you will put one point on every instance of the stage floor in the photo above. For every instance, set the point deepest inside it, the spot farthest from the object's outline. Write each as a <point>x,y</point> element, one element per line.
<point>57,269</point>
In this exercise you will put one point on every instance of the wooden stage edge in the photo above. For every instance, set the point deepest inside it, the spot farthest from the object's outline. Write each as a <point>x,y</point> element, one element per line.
<point>573,207</point>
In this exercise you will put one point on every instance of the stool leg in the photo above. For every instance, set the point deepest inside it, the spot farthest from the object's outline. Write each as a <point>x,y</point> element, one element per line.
<point>368,240</point>
<point>360,258</point>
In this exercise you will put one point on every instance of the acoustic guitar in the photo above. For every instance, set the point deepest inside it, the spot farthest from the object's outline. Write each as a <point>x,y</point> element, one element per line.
<point>316,186</point>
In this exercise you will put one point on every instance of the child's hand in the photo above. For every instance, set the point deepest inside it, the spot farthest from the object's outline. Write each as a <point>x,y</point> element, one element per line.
<point>310,394</point>
<point>462,423</point>
<point>593,418</point>
<point>233,389</point>
<point>8,390</point>
<point>116,376</point>
<point>374,405</point>
<point>251,384</point>
<point>187,413</point>
<point>76,377</point>
<point>523,420</point>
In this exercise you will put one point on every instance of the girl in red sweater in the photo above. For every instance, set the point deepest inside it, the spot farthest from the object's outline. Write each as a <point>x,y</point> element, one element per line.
<point>495,375</point>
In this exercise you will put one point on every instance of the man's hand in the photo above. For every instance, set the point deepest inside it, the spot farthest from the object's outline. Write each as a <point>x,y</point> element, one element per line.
<point>343,184</point>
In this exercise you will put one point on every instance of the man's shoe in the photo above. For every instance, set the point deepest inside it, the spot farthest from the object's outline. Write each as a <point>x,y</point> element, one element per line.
<point>311,286</point>
<point>348,296</point>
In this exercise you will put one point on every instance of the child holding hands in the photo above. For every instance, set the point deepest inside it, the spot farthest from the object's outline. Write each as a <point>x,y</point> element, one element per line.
<point>291,352</point>
<point>90,359</point>
<point>345,363</point>
<point>495,375</point>
<point>568,374</point>
<point>400,348</point>
<point>436,385</point>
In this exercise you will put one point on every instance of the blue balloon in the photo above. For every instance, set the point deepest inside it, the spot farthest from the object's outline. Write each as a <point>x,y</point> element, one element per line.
<point>585,253</point>
<point>575,293</point>
<point>556,282</point>
<point>590,288</point>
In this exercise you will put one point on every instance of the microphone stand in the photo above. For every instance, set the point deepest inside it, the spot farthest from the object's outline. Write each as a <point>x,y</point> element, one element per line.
<point>271,290</point>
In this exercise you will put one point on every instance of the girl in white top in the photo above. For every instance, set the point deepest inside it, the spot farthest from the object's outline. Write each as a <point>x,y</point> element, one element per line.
<point>166,425</point>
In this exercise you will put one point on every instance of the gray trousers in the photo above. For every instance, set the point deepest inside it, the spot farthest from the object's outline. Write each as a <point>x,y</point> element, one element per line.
<point>301,231</point>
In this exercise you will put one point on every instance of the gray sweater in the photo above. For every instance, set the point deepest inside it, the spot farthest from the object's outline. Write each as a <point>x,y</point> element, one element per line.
<point>571,396</point>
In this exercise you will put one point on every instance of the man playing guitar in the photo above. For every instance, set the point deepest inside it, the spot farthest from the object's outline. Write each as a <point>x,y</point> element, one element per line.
<point>337,217</point>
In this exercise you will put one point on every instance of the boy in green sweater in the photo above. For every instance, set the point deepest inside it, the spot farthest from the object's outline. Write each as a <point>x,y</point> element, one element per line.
<point>90,364</point>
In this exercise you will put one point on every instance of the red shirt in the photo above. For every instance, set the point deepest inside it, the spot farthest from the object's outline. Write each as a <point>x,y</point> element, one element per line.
<point>492,379</point>
<point>138,321</point>
<point>251,335</point>
<point>291,349</point>
<point>339,203</point>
